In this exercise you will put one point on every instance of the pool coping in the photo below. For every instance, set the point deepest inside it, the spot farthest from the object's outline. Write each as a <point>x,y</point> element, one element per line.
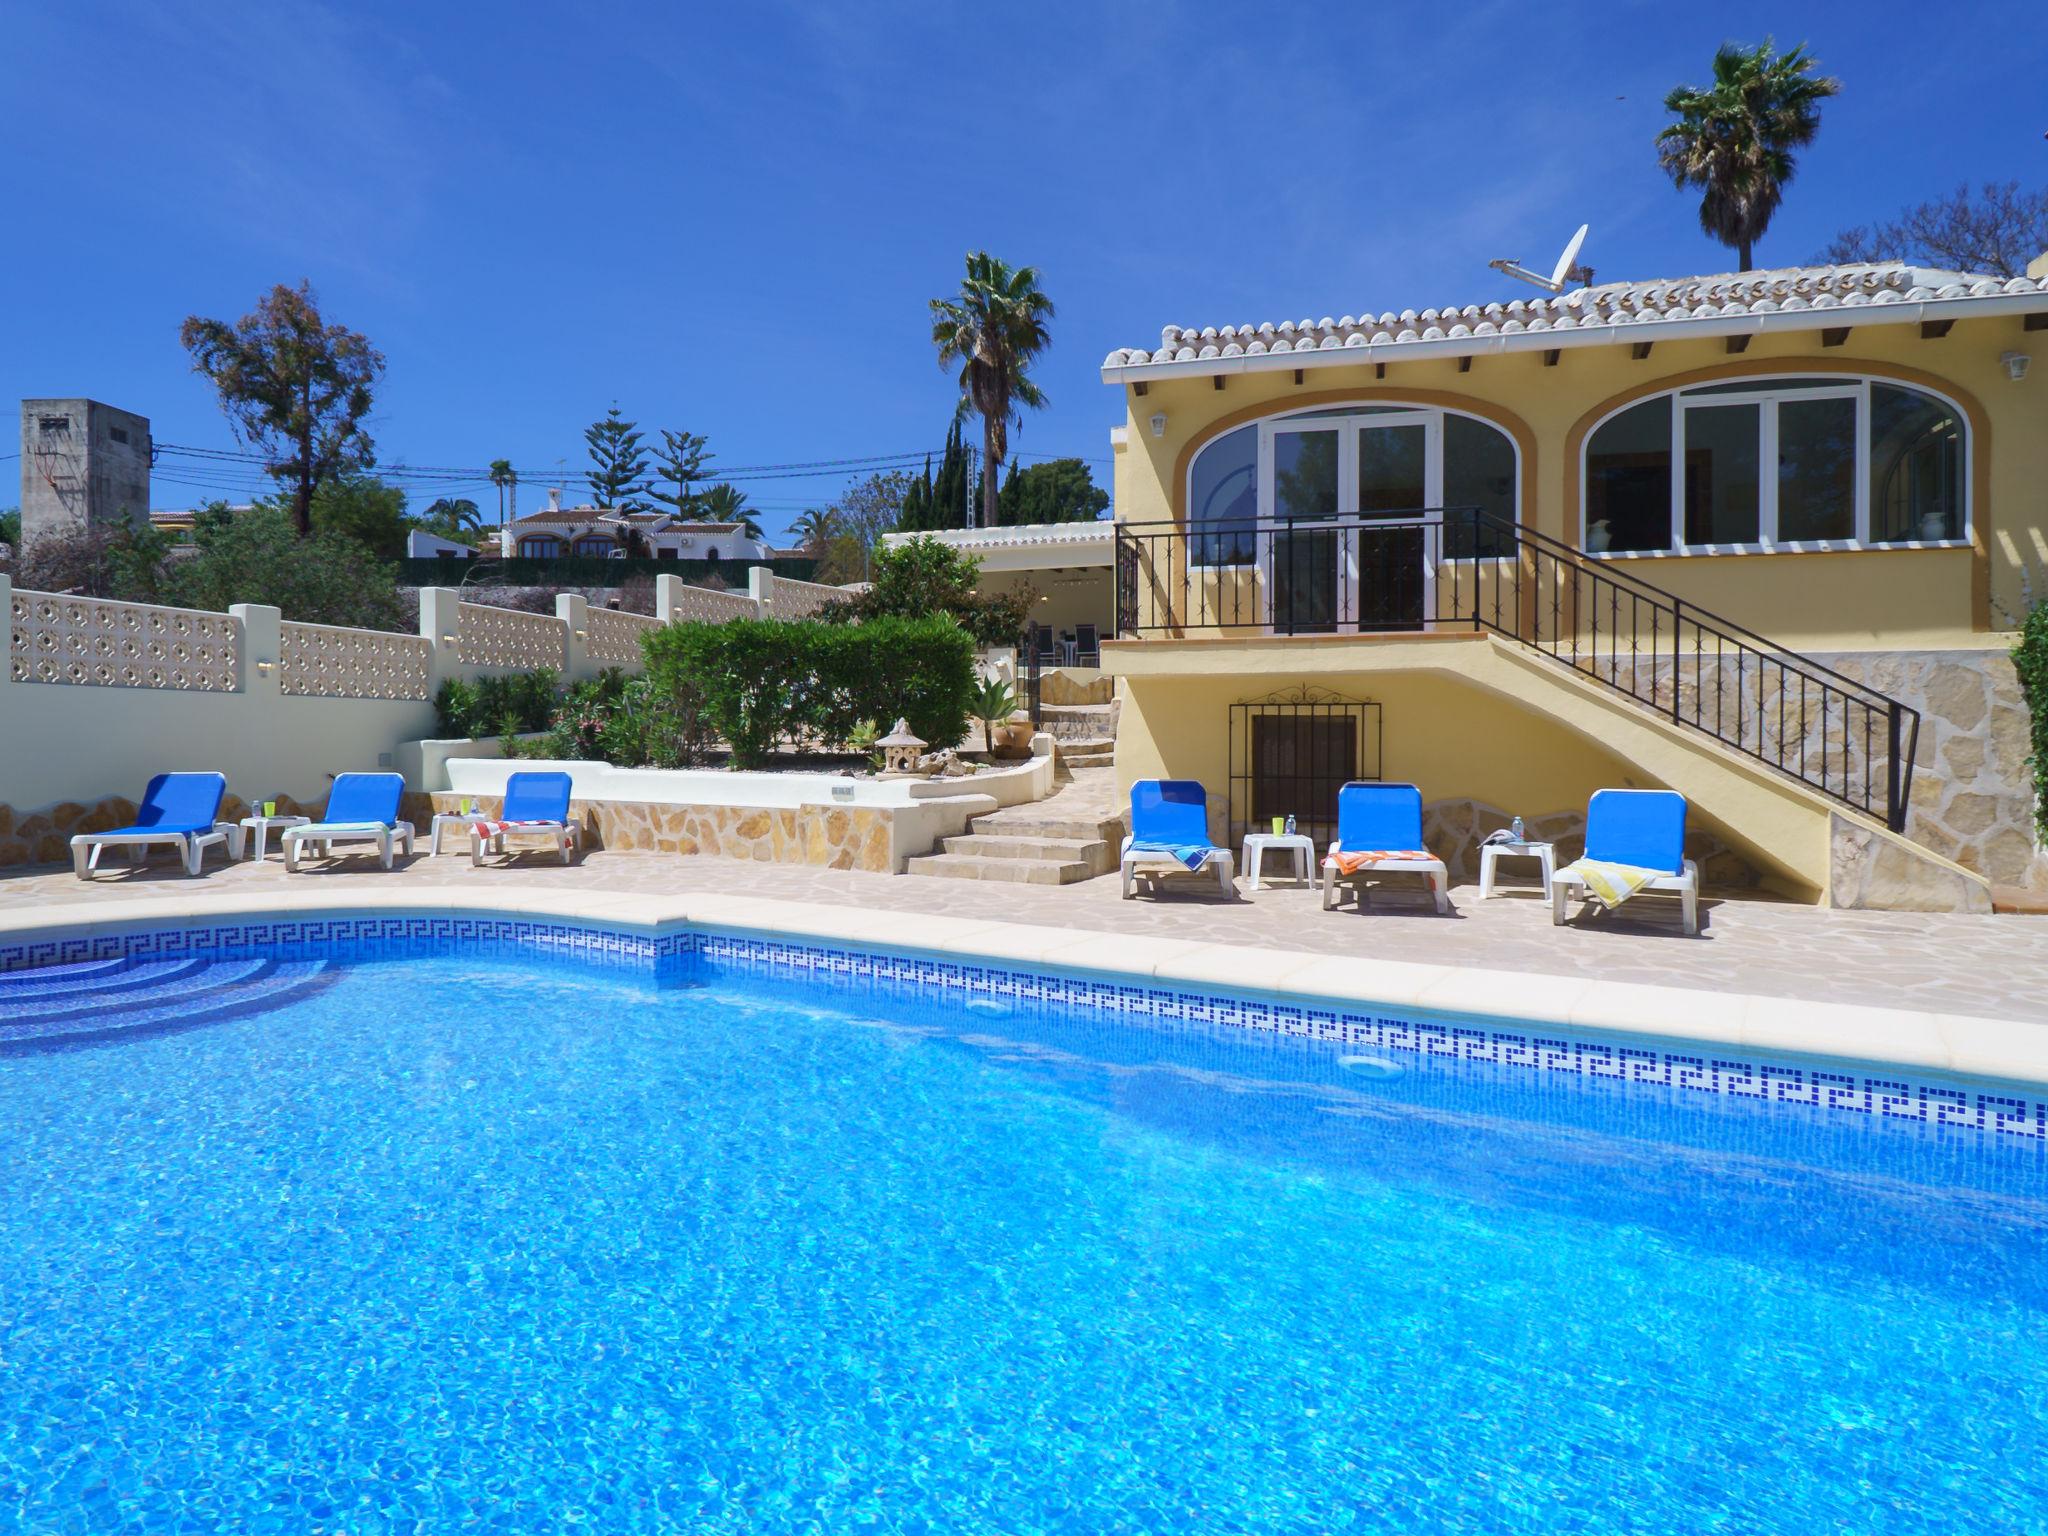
<point>1955,1044</point>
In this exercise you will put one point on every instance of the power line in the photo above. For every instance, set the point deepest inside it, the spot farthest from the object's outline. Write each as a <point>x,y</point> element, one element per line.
<point>447,474</point>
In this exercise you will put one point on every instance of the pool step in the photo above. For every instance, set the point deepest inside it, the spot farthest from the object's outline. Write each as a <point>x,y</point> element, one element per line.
<point>77,1006</point>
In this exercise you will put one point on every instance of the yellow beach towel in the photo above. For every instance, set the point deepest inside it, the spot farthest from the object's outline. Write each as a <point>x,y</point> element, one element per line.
<point>1611,883</point>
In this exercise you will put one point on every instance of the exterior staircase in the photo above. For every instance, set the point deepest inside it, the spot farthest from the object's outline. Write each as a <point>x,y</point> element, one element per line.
<point>1028,845</point>
<point>1086,733</point>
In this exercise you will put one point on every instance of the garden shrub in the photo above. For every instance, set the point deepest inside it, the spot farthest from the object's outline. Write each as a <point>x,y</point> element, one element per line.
<point>497,706</point>
<point>2030,660</point>
<point>764,681</point>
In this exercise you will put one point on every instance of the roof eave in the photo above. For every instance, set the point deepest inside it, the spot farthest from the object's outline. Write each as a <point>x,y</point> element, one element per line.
<point>1853,316</point>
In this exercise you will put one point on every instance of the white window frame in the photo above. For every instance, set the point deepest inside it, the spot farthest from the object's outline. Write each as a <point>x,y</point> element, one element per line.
<point>1691,397</point>
<point>1348,420</point>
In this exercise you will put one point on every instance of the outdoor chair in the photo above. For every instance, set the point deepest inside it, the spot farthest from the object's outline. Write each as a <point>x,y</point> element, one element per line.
<point>536,805</point>
<point>361,808</point>
<point>1170,825</point>
<point>1379,832</point>
<point>177,808</point>
<point>1087,646</point>
<point>1635,841</point>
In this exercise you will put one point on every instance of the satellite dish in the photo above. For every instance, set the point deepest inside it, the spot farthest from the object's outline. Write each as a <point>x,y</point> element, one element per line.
<point>1566,271</point>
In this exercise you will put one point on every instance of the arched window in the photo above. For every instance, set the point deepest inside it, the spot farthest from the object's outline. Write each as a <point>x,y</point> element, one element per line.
<point>1767,463</point>
<point>1354,464</point>
<point>539,547</point>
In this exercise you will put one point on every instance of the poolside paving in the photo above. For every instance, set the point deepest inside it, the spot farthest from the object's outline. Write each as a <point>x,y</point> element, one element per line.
<point>1992,966</point>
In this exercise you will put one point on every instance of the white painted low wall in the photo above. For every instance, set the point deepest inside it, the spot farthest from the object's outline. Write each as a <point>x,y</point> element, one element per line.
<point>480,772</point>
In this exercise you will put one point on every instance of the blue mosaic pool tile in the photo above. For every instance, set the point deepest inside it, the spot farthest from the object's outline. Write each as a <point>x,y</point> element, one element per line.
<point>1683,1072</point>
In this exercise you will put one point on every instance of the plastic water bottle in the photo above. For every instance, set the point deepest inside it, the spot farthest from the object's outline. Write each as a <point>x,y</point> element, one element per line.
<point>1290,826</point>
<point>1516,831</point>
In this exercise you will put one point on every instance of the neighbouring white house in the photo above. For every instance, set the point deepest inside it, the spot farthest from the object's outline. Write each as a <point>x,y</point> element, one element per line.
<point>422,545</point>
<point>557,532</point>
<point>1070,569</point>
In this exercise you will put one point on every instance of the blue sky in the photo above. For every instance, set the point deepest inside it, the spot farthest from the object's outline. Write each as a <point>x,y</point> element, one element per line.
<point>729,218</point>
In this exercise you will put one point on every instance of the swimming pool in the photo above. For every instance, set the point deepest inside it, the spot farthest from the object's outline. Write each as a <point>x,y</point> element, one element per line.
<point>368,1228</point>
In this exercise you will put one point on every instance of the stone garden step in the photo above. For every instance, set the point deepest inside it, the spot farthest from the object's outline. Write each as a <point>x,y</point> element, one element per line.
<point>962,866</point>
<point>1057,850</point>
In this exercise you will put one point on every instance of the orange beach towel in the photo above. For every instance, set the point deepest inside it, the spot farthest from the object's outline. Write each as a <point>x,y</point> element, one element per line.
<point>1349,863</point>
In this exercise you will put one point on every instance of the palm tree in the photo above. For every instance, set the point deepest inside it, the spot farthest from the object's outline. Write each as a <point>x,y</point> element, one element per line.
<point>727,503</point>
<point>993,330</point>
<point>506,479</point>
<point>815,529</point>
<point>453,517</point>
<point>1734,139</point>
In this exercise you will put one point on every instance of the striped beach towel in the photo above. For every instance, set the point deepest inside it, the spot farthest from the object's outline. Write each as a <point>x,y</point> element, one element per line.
<point>1612,884</point>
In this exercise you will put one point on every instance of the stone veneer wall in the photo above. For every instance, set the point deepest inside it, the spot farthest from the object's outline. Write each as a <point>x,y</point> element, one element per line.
<point>826,837</point>
<point>1973,795</point>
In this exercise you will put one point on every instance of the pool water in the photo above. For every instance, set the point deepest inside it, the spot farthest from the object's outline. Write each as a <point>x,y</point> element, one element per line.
<point>443,1245</point>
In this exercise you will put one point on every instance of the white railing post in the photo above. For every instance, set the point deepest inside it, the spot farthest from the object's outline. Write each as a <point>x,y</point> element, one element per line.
<point>573,609</point>
<point>761,588</point>
<point>668,593</point>
<point>440,625</point>
<point>259,659</point>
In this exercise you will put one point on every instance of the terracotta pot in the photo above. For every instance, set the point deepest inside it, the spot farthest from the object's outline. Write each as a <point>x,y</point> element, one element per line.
<point>1013,739</point>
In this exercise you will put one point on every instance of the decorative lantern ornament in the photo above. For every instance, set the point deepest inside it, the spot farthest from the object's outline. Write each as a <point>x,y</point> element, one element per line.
<point>901,749</point>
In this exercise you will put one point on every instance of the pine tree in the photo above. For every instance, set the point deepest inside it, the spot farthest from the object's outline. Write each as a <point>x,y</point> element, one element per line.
<point>682,462</point>
<point>619,477</point>
<point>950,489</point>
<point>1009,500</point>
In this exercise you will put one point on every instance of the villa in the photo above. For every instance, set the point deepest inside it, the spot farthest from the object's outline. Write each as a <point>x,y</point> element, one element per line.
<point>603,532</point>
<point>1755,537</point>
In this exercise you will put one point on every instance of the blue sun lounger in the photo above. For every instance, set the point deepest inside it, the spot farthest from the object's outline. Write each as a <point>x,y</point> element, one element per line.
<point>1379,832</point>
<point>1635,841</point>
<point>361,808</point>
<point>536,805</point>
<point>1170,825</point>
<point>177,808</point>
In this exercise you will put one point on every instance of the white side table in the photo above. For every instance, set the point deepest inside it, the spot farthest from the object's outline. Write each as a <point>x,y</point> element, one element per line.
<point>1300,845</point>
<point>261,826</point>
<point>1491,854</point>
<point>445,819</point>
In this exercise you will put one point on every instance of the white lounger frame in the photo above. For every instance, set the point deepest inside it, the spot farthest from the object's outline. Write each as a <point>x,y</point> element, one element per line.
<point>1686,887</point>
<point>1432,870</point>
<point>324,837</point>
<point>86,846</point>
<point>563,834</point>
<point>1222,861</point>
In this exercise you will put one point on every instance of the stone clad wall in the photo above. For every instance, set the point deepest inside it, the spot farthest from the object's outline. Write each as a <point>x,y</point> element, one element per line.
<point>826,837</point>
<point>1973,795</point>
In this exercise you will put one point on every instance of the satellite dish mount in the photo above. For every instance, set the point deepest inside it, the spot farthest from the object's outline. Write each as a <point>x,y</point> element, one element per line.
<point>1566,271</point>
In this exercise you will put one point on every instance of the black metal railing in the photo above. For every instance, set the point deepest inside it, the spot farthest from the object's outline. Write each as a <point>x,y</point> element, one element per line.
<point>1464,568</point>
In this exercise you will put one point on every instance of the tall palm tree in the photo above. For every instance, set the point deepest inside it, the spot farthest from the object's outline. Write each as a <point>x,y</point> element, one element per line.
<point>1734,139</point>
<point>815,528</point>
<point>994,330</point>
<point>727,503</point>
<point>506,479</point>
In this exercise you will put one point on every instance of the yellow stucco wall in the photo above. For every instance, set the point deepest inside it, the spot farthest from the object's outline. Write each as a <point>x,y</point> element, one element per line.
<point>1811,601</point>
<point>1469,717</point>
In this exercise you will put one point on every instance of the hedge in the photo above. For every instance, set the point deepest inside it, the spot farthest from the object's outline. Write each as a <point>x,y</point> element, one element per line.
<point>766,680</point>
<point>589,571</point>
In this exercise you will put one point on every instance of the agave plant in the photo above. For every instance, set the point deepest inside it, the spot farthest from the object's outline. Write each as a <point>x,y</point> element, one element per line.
<point>993,700</point>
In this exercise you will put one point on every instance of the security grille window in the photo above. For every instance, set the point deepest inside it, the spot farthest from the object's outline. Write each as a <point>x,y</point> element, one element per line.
<point>1291,752</point>
<point>1829,463</point>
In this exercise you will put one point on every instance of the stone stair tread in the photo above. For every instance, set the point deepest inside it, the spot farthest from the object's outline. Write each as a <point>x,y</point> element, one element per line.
<point>1012,845</point>
<point>960,866</point>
